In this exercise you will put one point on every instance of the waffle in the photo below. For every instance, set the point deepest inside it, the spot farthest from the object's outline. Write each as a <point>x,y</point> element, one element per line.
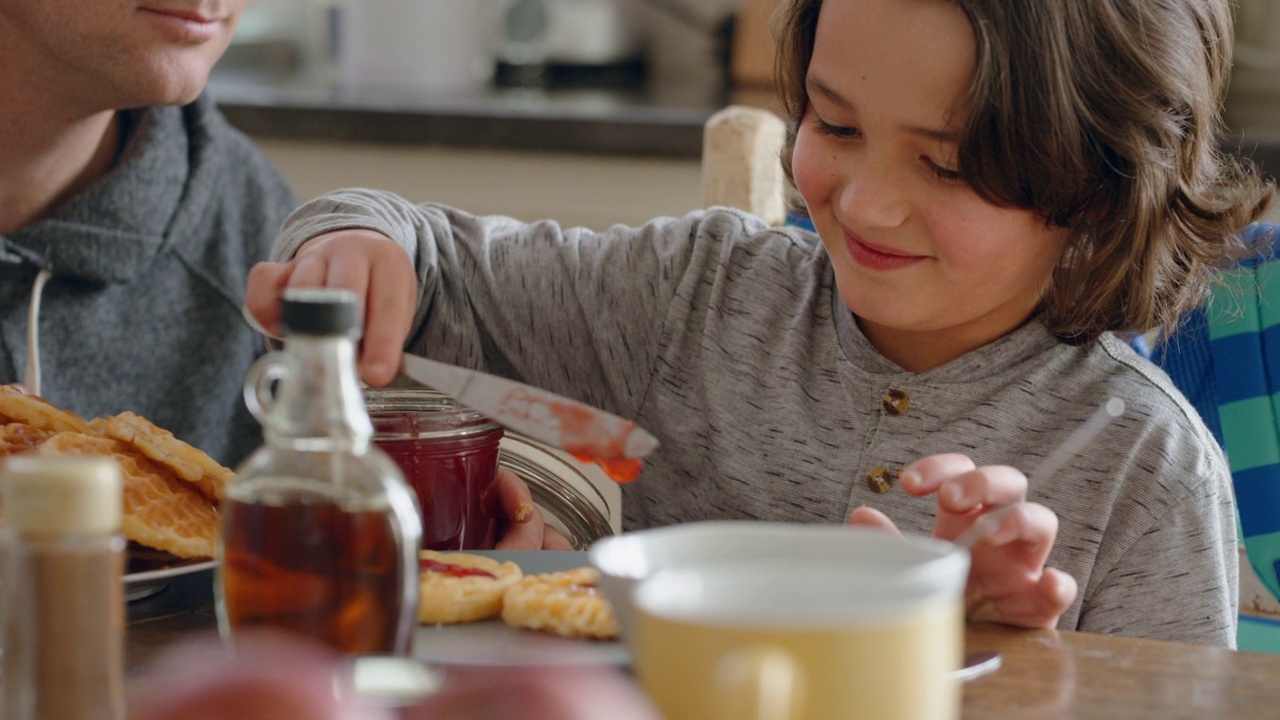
<point>171,489</point>
<point>19,407</point>
<point>566,603</point>
<point>160,511</point>
<point>17,438</point>
<point>456,597</point>
<point>160,446</point>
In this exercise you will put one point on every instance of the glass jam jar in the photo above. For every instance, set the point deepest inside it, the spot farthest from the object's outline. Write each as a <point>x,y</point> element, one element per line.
<point>449,455</point>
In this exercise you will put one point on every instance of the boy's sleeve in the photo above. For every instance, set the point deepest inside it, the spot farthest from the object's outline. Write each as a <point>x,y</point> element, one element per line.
<point>1190,554</point>
<point>578,312</point>
<point>361,209</point>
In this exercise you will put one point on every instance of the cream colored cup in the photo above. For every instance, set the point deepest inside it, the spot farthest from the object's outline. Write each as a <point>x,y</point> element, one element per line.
<point>802,639</point>
<point>624,560</point>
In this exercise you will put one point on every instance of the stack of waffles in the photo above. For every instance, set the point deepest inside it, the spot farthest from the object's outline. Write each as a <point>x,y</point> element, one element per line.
<point>171,489</point>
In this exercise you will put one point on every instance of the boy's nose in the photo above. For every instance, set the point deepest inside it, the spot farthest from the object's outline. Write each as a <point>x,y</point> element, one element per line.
<point>874,195</point>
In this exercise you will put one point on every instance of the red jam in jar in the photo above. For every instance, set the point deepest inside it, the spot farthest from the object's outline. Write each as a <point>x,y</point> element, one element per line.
<point>449,455</point>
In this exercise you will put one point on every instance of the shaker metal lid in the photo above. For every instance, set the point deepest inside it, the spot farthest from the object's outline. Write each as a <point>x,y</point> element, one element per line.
<point>320,311</point>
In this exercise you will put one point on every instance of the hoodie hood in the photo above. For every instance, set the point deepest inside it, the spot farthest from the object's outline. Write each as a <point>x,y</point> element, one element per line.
<point>146,270</point>
<point>112,231</point>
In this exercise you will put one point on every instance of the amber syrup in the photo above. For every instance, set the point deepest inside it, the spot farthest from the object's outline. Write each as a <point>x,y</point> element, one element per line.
<point>297,560</point>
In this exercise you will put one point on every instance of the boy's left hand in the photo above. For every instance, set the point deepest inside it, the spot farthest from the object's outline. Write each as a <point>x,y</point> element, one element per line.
<point>1008,580</point>
<point>522,526</point>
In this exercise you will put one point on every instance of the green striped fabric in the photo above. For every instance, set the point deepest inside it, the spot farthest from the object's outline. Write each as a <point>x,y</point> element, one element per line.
<point>1244,343</point>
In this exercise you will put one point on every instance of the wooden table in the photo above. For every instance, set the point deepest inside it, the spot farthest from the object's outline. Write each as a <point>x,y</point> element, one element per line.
<point>1044,674</point>
<point>1050,674</point>
<point>183,609</point>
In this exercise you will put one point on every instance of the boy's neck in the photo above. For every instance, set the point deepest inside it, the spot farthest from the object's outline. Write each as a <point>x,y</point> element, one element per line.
<point>919,352</point>
<point>44,161</point>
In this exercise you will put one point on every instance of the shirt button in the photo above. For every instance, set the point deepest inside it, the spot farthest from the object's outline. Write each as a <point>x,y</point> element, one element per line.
<point>880,479</point>
<point>896,402</point>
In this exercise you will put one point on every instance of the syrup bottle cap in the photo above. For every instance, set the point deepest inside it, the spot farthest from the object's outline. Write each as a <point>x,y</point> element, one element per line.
<point>319,311</point>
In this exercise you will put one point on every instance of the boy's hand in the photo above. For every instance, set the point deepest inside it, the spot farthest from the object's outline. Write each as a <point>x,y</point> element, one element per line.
<point>1008,580</point>
<point>372,266</point>
<point>523,526</point>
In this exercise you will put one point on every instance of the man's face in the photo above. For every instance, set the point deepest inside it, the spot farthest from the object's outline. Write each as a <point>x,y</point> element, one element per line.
<point>94,55</point>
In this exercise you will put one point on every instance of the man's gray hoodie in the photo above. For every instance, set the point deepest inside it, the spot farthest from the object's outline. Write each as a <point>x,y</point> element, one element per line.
<point>148,268</point>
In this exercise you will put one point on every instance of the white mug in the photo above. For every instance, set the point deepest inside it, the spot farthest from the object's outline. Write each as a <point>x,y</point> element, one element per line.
<point>801,639</point>
<point>625,560</point>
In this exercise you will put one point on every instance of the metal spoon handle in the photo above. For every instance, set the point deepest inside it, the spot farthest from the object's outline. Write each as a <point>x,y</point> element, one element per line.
<point>1102,417</point>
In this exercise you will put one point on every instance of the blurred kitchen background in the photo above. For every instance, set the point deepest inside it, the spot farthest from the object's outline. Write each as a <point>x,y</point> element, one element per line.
<point>586,111</point>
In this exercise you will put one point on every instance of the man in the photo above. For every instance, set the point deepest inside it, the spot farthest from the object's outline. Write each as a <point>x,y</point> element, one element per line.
<point>125,188</point>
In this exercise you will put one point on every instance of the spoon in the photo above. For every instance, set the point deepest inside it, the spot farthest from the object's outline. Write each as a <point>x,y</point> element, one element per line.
<point>391,682</point>
<point>1102,417</point>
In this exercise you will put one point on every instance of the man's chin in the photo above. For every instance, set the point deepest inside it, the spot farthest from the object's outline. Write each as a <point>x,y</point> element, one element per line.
<point>170,76</point>
<point>175,91</point>
<point>186,97</point>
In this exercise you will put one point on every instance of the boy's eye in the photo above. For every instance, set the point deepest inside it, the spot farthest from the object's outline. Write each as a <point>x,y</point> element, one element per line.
<point>836,131</point>
<point>944,174</point>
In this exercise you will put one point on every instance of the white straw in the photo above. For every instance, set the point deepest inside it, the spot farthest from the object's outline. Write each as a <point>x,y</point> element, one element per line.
<point>1102,417</point>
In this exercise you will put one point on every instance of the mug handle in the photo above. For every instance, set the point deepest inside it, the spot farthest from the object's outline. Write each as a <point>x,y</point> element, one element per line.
<point>257,384</point>
<point>760,682</point>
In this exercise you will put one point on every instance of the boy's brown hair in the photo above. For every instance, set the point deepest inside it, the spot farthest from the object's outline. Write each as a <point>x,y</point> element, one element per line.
<point>1112,109</point>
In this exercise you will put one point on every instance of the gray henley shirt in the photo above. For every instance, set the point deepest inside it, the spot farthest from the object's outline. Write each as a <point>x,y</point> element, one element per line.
<point>726,339</point>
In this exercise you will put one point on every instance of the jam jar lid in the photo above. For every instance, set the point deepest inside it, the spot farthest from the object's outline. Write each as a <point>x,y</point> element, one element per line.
<point>422,413</point>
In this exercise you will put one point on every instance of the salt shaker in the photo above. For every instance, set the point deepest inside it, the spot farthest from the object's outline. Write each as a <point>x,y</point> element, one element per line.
<point>62,558</point>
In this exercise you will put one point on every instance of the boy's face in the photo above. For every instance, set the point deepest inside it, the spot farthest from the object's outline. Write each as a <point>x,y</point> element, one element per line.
<point>931,269</point>
<point>93,55</point>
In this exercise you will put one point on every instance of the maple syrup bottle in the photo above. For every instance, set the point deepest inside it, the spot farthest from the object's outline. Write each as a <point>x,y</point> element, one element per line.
<point>320,532</point>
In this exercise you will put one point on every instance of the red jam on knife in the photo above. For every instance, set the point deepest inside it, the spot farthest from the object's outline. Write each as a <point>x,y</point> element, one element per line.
<point>622,470</point>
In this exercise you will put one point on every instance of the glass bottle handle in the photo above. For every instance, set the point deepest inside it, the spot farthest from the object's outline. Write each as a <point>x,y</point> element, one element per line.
<point>262,375</point>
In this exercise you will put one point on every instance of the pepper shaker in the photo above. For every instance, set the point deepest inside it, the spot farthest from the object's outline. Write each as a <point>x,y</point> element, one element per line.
<point>63,596</point>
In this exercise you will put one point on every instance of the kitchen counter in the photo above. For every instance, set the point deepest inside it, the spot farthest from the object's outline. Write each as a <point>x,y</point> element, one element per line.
<point>655,121</point>
<point>588,156</point>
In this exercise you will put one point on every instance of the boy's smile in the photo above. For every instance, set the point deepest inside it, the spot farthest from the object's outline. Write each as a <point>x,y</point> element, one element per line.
<point>876,257</point>
<point>930,268</point>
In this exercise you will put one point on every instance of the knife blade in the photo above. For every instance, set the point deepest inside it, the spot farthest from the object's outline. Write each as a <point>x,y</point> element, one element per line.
<point>584,431</point>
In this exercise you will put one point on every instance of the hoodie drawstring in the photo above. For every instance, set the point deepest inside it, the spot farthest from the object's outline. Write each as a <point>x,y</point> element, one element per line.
<point>31,378</point>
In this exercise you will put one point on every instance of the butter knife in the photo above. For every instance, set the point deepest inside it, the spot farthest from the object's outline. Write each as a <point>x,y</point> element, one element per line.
<point>581,430</point>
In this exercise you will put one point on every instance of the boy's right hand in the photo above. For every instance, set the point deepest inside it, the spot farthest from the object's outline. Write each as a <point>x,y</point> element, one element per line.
<point>1008,579</point>
<point>367,263</point>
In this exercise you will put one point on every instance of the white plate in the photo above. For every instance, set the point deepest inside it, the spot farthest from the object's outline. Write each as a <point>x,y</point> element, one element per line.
<point>151,571</point>
<point>492,642</point>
